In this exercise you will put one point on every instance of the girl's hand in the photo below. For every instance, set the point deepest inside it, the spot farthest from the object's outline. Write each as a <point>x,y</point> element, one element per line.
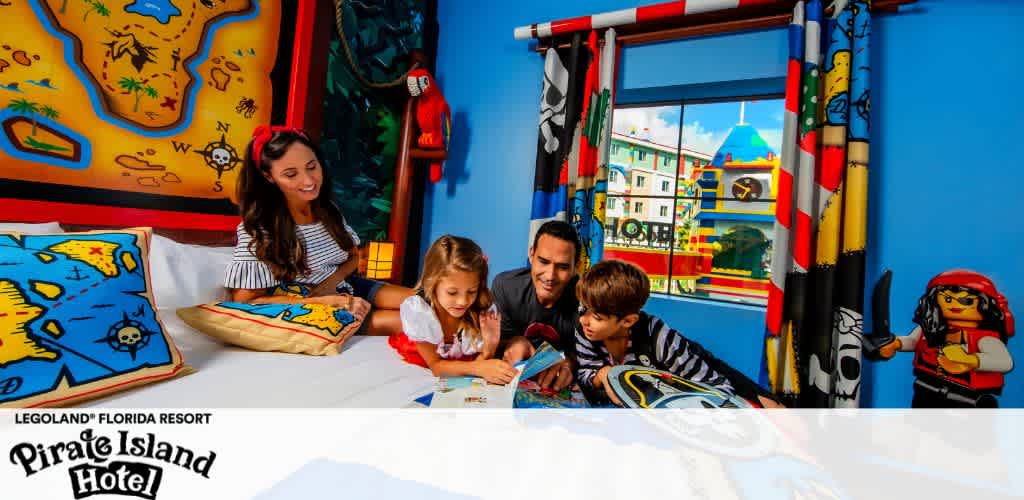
<point>495,371</point>
<point>490,329</point>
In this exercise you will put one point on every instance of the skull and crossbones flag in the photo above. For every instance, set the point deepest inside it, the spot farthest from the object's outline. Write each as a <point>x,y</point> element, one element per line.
<point>561,105</point>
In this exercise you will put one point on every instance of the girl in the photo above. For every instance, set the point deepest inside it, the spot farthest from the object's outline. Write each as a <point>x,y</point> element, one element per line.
<point>450,325</point>
<point>291,231</point>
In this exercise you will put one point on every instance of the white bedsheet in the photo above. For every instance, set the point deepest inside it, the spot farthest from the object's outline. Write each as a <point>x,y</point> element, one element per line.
<point>367,373</point>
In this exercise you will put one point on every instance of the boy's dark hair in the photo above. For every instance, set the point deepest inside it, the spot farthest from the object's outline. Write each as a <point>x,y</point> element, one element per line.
<point>614,288</point>
<point>561,230</point>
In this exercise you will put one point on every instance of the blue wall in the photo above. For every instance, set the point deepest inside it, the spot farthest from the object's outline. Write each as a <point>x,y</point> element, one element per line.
<point>944,151</point>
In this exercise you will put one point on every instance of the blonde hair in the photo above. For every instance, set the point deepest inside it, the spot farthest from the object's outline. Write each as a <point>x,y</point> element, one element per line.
<point>454,253</point>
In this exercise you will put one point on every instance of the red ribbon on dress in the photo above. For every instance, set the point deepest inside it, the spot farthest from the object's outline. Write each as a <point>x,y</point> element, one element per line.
<point>264,133</point>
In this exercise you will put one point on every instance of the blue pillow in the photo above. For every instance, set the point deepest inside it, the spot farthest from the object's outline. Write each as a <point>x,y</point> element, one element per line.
<point>77,319</point>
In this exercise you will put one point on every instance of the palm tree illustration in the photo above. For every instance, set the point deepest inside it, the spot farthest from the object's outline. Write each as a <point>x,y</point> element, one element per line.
<point>25,107</point>
<point>98,8</point>
<point>132,85</point>
<point>49,112</point>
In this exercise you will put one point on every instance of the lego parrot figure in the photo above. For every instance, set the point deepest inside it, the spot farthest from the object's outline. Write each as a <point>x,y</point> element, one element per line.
<point>432,115</point>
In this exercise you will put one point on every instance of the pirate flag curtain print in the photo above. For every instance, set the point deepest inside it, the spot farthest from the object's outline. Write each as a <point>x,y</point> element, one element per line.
<point>560,109</point>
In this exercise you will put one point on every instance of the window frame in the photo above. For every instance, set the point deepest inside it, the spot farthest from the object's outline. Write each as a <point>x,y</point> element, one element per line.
<point>674,196</point>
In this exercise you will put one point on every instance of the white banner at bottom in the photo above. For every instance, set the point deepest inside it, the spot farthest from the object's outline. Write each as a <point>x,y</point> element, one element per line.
<point>511,454</point>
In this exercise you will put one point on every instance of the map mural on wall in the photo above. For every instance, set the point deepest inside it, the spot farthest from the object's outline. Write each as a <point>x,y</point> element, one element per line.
<point>150,101</point>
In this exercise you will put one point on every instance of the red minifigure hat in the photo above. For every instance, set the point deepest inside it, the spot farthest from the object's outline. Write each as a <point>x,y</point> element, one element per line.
<point>979,283</point>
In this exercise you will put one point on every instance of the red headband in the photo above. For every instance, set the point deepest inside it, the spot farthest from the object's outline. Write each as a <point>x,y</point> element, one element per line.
<point>264,133</point>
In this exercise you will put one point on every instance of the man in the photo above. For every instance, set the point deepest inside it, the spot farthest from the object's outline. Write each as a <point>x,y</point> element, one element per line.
<point>538,303</point>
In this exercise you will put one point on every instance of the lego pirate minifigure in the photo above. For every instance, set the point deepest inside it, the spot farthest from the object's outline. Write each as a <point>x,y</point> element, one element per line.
<point>959,345</point>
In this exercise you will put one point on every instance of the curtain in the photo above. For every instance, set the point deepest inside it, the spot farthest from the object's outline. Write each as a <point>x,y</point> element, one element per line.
<point>560,103</point>
<point>574,136</point>
<point>815,309</point>
<point>588,192</point>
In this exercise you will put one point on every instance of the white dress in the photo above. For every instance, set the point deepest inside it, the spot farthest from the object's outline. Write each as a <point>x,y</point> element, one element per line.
<point>420,324</point>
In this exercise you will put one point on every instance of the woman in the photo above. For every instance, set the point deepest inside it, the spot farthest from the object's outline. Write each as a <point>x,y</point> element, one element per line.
<point>291,232</point>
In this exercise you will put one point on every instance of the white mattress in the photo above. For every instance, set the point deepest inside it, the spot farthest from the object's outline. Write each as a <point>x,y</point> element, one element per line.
<point>367,373</point>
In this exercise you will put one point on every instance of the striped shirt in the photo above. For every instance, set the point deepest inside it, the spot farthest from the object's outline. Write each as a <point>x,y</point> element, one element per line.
<point>671,352</point>
<point>323,256</point>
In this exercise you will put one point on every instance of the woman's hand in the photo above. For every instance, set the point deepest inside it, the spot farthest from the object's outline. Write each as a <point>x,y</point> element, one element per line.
<point>359,307</point>
<point>355,305</point>
<point>495,371</point>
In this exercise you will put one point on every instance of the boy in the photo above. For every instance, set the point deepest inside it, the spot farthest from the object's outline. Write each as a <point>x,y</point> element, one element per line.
<point>615,331</point>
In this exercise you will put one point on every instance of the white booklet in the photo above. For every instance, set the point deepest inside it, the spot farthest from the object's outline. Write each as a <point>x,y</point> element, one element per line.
<point>474,392</point>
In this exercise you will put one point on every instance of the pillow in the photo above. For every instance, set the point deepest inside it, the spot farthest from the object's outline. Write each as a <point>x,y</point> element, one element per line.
<point>186,275</point>
<point>77,319</point>
<point>27,228</point>
<point>315,329</point>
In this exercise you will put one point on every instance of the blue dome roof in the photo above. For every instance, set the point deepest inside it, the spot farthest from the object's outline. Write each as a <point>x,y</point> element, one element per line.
<point>745,146</point>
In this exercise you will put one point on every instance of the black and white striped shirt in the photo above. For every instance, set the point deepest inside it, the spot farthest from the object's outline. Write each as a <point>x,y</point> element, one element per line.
<point>323,256</point>
<point>666,349</point>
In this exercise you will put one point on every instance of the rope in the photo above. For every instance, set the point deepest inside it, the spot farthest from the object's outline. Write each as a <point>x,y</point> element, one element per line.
<point>338,15</point>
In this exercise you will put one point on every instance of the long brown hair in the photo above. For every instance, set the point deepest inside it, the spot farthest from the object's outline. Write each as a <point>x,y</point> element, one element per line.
<point>265,214</point>
<point>454,253</point>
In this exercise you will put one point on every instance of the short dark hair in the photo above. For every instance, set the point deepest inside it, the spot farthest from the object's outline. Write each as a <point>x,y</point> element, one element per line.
<point>614,288</point>
<point>561,230</point>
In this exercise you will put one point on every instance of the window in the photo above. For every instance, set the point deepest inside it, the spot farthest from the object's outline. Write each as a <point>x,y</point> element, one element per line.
<point>615,149</point>
<point>725,210</point>
<point>613,176</point>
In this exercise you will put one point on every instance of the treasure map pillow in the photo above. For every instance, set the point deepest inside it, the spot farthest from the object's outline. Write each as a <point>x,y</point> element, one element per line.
<point>315,329</point>
<point>77,319</point>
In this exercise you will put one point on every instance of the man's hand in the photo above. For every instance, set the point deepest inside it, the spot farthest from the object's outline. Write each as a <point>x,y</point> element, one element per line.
<point>557,377</point>
<point>517,350</point>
